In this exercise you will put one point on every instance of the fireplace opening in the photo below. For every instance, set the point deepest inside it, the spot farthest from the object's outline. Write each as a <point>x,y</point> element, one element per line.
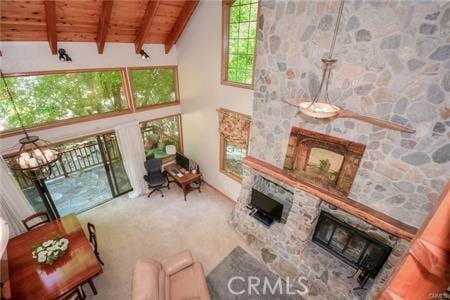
<point>350,245</point>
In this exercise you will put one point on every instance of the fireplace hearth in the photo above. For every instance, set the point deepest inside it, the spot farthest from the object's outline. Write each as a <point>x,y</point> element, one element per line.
<point>349,244</point>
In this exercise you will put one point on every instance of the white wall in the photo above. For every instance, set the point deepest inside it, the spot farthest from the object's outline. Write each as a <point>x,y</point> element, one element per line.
<point>199,62</point>
<point>36,56</point>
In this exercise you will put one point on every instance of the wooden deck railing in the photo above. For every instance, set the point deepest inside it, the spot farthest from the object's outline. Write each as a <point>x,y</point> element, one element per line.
<point>82,156</point>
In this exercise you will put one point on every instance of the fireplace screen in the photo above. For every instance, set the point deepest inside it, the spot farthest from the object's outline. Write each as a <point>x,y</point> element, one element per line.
<point>349,244</point>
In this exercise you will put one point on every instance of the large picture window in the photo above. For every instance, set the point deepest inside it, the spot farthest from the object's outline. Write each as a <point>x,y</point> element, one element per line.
<point>160,133</point>
<point>234,129</point>
<point>153,86</point>
<point>50,98</point>
<point>239,19</point>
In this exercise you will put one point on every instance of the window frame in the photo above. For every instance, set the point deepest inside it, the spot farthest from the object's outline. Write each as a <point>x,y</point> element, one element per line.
<point>128,93</point>
<point>223,150</point>
<point>226,6</point>
<point>159,105</point>
<point>74,120</point>
<point>180,134</point>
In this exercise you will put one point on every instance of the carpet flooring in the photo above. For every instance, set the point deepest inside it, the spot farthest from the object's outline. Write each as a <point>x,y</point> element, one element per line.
<point>240,276</point>
<point>158,227</point>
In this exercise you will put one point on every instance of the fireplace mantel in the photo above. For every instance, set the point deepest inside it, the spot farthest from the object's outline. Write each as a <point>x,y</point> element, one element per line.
<point>353,207</point>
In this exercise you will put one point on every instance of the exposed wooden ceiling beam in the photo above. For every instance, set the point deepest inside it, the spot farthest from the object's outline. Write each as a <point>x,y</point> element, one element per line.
<point>188,9</point>
<point>149,15</point>
<point>103,24</point>
<point>50,16</point>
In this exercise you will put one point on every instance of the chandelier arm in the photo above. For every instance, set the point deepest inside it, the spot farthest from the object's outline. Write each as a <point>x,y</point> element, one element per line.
<point>328,69</point>
<point>322,81</point>
<point>336,29</point>
<point>14,104</point>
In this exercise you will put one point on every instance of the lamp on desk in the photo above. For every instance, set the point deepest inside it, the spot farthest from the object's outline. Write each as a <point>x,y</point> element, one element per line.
<point>171,149</point>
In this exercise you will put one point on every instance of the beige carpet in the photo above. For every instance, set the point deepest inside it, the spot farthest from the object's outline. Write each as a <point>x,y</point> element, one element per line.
<point>158,227</point>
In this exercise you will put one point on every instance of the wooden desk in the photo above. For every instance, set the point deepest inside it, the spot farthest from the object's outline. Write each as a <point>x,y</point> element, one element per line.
<point>185,181</point>
<point>32,281</point>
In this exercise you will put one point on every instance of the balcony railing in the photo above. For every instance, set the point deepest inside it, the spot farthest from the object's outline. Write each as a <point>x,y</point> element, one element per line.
<point>85,155</point>
<point>74,158</point>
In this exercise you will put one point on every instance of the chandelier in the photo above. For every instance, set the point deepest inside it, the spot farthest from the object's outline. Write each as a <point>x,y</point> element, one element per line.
<point>36,156</point>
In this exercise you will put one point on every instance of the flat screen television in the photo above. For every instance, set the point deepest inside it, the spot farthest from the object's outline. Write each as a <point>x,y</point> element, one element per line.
<point>182,161</point>
<point>266,205</point>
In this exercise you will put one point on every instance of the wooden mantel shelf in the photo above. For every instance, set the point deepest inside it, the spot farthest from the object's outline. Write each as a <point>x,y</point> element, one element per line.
<point>371,216</point>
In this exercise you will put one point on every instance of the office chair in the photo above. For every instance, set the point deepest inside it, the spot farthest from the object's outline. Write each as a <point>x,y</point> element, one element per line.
<point>155,178</point>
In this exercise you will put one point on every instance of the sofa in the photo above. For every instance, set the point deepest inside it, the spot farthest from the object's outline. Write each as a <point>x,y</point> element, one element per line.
<point>175,278</point>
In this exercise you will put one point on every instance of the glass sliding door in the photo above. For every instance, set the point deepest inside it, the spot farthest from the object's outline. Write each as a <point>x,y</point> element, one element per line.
<point>114,165</point>
<point>89,173</point>
<point>80,180</point>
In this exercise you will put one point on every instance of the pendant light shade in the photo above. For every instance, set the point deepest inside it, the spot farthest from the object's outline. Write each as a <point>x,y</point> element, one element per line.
<point>36,156</point>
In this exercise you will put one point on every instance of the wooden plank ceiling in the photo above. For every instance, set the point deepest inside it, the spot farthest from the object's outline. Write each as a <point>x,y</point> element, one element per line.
<point>99,21</point>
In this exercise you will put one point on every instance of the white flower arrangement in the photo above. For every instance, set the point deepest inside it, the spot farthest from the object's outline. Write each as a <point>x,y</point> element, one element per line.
<point>50,251</point>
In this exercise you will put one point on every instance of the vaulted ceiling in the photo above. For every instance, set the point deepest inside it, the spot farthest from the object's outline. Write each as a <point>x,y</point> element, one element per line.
<point>100,21</point>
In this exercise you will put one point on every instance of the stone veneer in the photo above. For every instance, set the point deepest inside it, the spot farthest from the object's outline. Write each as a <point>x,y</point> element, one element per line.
<point>288,250</point>
<point>393,62</point>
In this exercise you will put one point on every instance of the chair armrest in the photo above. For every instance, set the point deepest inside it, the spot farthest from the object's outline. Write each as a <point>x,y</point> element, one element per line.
<point>177,262</point>
<point>200,279</point>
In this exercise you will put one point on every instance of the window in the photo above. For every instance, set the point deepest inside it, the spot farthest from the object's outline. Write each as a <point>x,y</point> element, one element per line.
<point>154,86</point>
<point>50,98</point>
<point>234,129</point>
<point>158,134</point>
<point>239,19</point>
<point>233,157</point>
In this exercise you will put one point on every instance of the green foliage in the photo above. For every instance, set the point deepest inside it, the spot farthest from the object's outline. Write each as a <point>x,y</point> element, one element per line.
<point>49,98</point>
<point>153,86</point>
<point>166,130</point>
<point>324,166</point>
<point>242,40</point>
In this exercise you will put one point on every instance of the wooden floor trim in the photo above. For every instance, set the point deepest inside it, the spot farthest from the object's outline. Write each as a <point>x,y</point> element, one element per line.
<point>218,191</point>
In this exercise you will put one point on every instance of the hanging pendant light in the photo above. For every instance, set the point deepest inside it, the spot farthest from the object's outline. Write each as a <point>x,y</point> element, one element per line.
<point>321,107</point>
<point>36,156</point>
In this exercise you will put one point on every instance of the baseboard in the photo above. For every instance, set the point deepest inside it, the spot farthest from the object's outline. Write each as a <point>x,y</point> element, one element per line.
<point>218,191</point>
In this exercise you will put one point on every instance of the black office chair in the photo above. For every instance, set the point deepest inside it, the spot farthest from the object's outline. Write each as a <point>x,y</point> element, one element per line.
<point>155,178</point>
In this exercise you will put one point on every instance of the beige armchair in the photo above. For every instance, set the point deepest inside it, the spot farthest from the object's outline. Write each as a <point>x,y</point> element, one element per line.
<point>175,278</point>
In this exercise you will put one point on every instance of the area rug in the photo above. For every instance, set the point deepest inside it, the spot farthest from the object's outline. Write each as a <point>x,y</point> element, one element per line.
<point>241,276</point>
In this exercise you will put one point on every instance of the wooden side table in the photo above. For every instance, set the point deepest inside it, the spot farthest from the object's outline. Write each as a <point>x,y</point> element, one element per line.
<point>185,181</point>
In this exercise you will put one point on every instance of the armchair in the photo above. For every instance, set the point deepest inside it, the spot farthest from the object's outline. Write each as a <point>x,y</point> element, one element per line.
<point>175,278</point>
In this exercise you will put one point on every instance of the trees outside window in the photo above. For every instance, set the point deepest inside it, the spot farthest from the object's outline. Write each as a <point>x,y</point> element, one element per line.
<point>49,98</point>
<point>239,19</point>
<point>153,86</point>
<point>159,133</point>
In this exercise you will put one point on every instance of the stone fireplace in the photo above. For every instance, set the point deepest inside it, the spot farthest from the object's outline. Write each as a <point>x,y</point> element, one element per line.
<point>297,246</point>
<point>393,63</point>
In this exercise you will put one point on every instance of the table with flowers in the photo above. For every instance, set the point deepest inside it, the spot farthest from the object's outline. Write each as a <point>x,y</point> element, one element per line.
<point>50,260</point>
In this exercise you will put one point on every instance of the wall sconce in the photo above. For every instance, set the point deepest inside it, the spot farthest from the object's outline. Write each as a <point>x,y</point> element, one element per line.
<point>63,56</point>
<point>144,55</point>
